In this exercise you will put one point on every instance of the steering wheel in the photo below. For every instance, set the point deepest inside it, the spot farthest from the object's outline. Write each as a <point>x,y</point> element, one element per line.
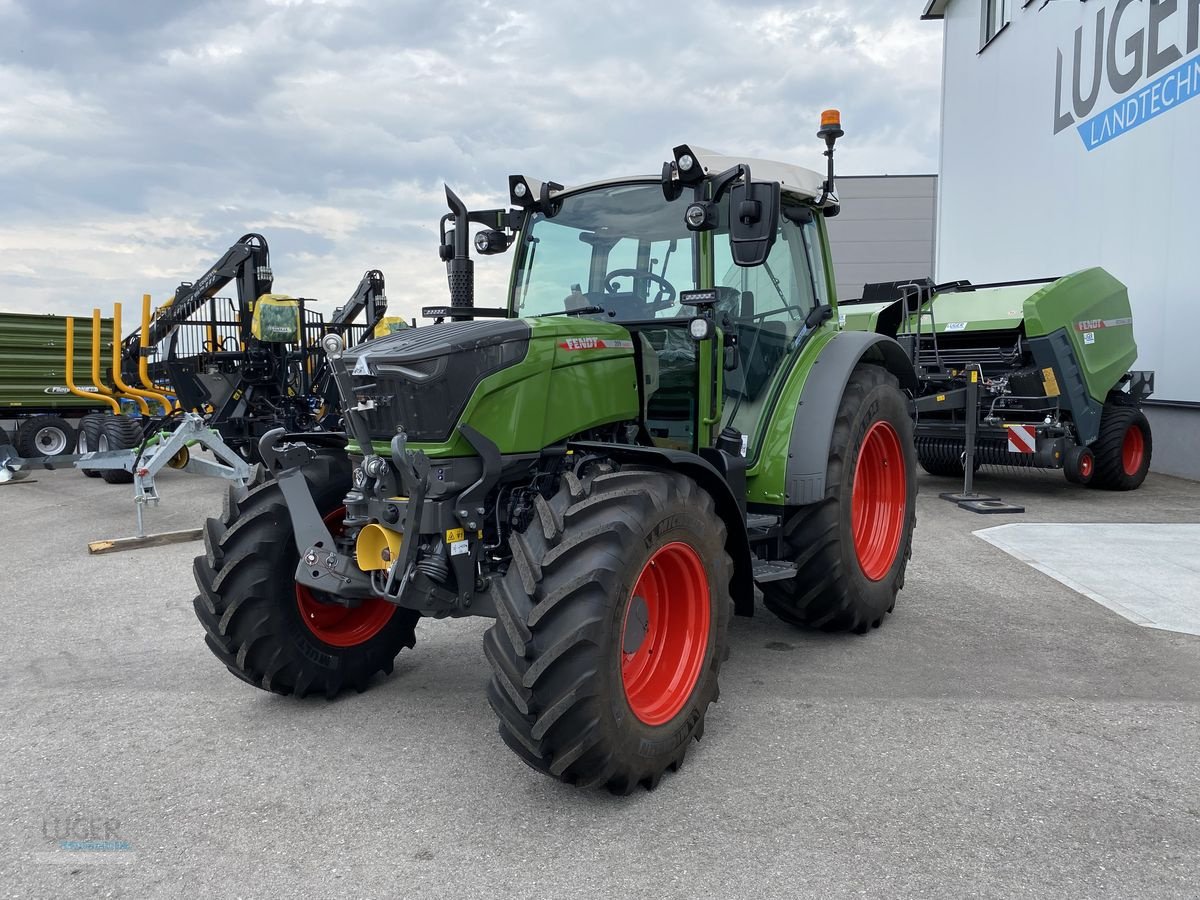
<point>665,287</point>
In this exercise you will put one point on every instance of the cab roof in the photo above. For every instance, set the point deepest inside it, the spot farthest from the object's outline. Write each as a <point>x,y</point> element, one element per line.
<point>794,179</point>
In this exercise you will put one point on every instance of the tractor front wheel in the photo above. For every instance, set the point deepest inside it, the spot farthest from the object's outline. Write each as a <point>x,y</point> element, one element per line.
<point>611,628</point>
<point>851,548</point>
<point>268,630</point>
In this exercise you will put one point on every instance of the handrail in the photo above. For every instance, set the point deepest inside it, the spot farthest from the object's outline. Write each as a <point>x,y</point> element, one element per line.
<point>104,389</point>
<point>70,370</point>
<point>144,360</point>
<point>139,396</point>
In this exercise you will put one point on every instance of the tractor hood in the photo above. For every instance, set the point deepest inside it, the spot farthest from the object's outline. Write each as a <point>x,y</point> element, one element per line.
<point>523,383</point>
<point>420,379</point>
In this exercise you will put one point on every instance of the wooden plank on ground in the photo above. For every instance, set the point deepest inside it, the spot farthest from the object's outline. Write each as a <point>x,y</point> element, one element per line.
<point>116,545</point>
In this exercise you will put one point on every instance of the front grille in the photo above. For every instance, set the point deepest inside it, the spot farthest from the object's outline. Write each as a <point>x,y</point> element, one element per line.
<point>422,380</point>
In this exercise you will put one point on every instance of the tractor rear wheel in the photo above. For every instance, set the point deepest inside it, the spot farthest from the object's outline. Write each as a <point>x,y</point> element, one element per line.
<point>89,438</point>
<point>45,436</point>
<point>1122,449</point>
<point>118,432</point>
<point>851,548</point>
<point>268,630</point>
<point>611,628</point>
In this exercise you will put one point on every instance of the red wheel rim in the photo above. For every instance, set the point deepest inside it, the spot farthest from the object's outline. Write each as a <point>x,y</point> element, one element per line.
<point>341,626</point>
<point>1086,461</point>
<point>664,636</point>
<point>1133,450</point>
<point>878,501</point>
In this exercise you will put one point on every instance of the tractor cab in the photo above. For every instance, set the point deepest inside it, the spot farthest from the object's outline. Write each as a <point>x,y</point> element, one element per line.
<point>625,252</point>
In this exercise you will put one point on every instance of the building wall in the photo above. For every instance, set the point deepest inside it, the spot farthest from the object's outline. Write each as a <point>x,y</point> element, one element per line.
<point>1036,182</point>
<point>885,231</point>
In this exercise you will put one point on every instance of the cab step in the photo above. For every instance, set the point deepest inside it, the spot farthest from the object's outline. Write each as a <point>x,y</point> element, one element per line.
<point>772,570</point>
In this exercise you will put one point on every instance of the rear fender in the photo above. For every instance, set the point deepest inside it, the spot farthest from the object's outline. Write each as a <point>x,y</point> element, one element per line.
<point>706,475</point>
<point>812,428</point>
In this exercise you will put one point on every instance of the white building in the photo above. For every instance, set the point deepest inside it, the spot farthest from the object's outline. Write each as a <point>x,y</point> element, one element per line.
<point>1068,140</point>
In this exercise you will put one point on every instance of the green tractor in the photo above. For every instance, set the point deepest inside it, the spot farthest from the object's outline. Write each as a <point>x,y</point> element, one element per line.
<point>663,417</point>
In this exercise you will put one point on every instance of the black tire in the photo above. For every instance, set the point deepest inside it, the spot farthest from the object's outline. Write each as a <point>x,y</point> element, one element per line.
<point>45,436</point>
<point>249,607</point>
<point>1079,465</point>
<point>90,427</point>
<point>118,432</point>
<point>5,440</point>
<point>1123,448</point>
<point>557,649</point>
<point>833,590</point>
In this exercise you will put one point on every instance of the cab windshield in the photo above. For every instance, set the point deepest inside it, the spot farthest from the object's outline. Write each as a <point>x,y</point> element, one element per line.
<point>622,251</point>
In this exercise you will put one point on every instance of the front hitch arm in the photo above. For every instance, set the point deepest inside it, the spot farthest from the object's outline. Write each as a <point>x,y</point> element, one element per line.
<point>321,566</point>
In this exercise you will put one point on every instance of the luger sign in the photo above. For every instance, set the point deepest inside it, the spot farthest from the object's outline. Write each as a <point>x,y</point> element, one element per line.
<point>1144,53</point>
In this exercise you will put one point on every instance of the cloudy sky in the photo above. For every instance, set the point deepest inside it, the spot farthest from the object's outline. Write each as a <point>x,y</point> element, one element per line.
<point>140,138</point>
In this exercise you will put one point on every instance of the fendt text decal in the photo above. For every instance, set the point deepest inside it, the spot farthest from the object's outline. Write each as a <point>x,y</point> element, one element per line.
<point>595,343</point>
<point>1097,324</point>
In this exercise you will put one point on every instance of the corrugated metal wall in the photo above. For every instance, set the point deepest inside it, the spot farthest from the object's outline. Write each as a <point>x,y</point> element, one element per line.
<point>885,231</point>
<point>33,361</point>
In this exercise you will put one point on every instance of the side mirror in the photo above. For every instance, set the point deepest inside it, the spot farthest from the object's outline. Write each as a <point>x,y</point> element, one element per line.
<point>753,221</point>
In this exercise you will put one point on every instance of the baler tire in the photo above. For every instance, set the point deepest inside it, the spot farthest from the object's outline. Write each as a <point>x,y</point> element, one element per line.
<point>5,440</point>
<point>32,432</point>
<point>1123,448</point>
<point>119,432</point>
<point>832,589</point>
<point>250,607</point>
<point>89,439</point>
<point>1079,465</point>
<point>573,693</point>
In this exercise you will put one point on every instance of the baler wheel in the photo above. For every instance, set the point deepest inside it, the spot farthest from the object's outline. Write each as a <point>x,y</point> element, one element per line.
<point>1079,465</point>
<point>258,623</point>
<point>611,628</point>
<point>852,547</point>
<point>1123,448</point>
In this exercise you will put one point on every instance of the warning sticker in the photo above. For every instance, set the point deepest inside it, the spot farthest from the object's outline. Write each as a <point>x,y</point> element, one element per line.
<point>595,343</point>
<point>1022,438</point>
<point>1050,383</point>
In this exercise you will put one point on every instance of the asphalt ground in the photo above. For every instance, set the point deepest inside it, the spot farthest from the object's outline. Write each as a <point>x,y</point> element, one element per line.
<point>1000,736</point>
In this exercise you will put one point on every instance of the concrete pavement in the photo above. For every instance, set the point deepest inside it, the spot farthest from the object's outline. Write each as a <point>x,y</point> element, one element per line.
<point>986,742</point>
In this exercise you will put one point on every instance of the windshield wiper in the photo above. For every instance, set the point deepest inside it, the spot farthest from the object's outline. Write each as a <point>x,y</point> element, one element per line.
<point>577,311</point>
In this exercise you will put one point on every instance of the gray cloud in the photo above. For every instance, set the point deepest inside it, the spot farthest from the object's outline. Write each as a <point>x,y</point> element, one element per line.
<point>140,138</point>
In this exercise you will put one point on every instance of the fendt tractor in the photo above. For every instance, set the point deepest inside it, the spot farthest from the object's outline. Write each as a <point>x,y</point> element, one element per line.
<point>664,415</point>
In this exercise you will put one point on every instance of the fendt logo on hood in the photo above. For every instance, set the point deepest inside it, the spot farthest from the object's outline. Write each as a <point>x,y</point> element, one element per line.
<point>594,343</point>
<point>1128,41</point>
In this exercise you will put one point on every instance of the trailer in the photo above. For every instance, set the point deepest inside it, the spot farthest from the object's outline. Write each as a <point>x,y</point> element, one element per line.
<point>39,414</point>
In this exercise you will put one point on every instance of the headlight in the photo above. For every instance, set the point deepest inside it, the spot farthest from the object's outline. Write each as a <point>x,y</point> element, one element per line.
<point>700,329</point>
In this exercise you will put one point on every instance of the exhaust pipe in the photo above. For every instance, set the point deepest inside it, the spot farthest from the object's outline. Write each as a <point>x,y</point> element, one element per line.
<point>460,268</point>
